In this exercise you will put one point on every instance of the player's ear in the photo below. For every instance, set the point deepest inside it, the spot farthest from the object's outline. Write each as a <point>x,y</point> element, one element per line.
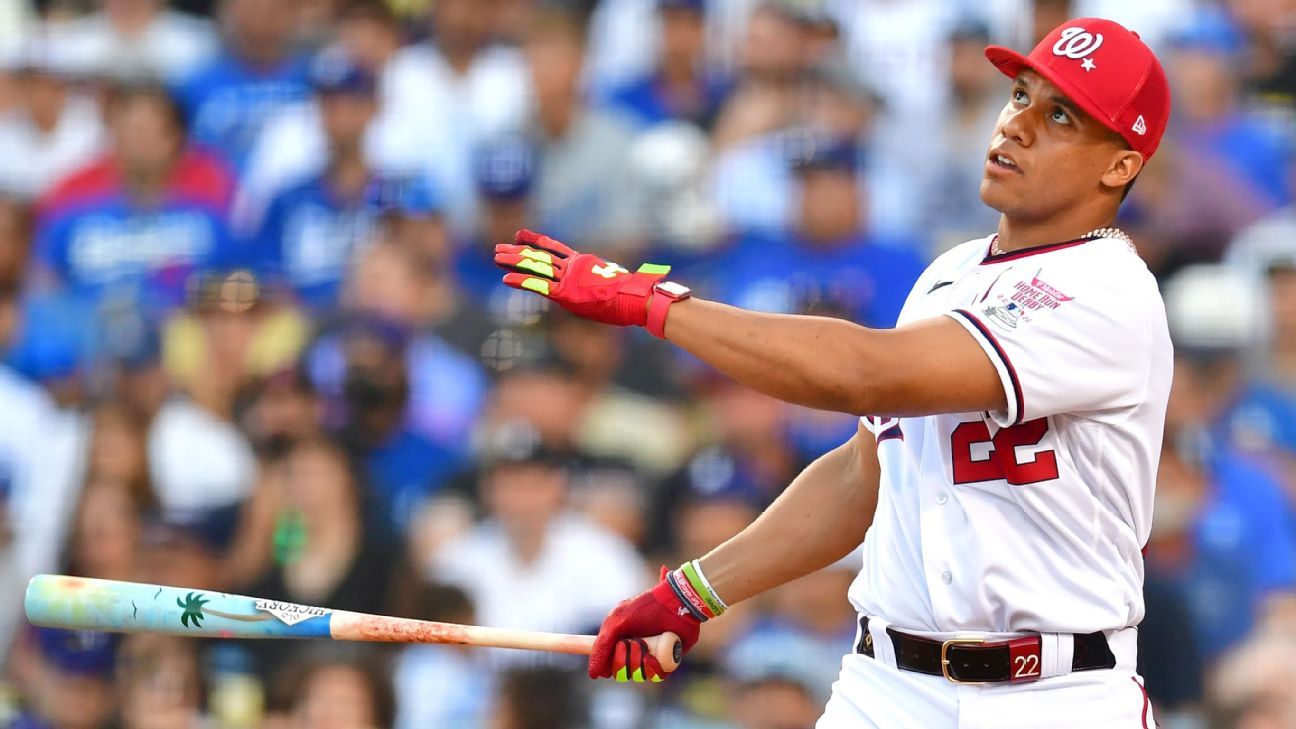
<point>1124,166</point>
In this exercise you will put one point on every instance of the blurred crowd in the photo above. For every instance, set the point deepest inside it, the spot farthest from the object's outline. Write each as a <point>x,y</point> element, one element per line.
<point>253,339</point>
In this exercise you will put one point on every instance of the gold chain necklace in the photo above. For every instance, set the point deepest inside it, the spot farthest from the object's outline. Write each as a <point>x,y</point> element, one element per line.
<point>1115,233</point>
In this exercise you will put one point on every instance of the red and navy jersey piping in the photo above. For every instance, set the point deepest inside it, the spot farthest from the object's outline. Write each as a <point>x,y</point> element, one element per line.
<point>1018,398</point>
<point>1033,250</point>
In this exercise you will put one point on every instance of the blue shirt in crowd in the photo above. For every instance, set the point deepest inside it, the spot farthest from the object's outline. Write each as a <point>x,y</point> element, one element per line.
<point>229,101</point>
<point>92,238</point>
<point>404,471</point>
<point>647,100</point>
<point>1243,550</point>
<point>1251,149</point>
<point>309,235</point>
<point>862,279</point>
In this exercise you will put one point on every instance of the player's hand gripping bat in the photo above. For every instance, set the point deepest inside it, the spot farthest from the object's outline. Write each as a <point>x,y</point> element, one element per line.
<point>78,603</point>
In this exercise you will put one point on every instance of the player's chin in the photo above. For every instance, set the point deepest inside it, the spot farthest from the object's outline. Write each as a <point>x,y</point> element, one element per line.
<point>998,195</point>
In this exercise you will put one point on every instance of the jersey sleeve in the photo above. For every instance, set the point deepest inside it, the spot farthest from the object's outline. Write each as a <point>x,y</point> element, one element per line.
<point>1066,337</point>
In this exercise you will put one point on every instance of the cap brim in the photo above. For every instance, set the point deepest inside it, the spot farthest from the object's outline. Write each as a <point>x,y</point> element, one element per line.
<point>1011,63</point>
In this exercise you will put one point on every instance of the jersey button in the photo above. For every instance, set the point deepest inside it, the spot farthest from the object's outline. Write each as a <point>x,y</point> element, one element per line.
<point>946,577</point>
<point>941,499</point>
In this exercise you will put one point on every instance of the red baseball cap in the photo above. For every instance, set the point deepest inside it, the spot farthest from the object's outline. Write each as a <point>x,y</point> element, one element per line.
<point>1106,70</point>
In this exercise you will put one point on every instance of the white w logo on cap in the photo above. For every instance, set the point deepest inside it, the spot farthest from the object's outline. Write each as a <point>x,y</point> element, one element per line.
<point>1077,43</point>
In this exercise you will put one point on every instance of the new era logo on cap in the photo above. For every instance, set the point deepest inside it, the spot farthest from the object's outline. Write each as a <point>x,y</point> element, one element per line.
<point>1107,71</point>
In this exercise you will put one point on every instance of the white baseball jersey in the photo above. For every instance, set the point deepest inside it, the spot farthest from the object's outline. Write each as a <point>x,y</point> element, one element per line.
<point>1032,518</point>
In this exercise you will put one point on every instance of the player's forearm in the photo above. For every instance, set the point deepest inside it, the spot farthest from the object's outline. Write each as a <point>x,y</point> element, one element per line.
<point>814,361</point>
<point>819,518</point>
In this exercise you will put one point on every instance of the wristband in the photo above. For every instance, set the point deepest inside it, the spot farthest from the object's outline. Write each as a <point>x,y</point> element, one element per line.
<point>684,591</point>
<point>692,572</point>
<point>664,293</point>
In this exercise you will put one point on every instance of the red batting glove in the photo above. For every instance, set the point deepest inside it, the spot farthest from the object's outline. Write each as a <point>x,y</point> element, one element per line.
<point>619,649</point>
<point>581,283</point>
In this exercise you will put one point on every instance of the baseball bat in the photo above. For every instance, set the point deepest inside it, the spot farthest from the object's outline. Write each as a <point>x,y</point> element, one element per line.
<point>80,603</point>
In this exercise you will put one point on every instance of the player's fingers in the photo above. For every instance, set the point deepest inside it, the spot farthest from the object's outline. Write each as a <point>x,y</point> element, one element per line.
<point>527,282</point>
<point>544,242</point>
<point>652,668</point>
<point>620,661</point>
<point>529,261</point>
<point>635,650</point>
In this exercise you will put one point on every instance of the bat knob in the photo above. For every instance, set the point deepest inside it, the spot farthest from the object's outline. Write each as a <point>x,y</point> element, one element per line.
<point>668,649</point>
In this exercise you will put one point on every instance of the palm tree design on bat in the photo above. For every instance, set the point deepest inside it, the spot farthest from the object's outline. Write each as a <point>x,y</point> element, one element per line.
<point>193,609</point>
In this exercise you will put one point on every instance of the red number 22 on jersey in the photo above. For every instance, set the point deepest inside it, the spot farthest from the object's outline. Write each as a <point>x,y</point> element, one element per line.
<point>1001,463</point>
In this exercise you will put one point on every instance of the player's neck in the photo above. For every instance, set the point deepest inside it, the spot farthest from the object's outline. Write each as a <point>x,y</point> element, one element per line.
<point>1015,235</point>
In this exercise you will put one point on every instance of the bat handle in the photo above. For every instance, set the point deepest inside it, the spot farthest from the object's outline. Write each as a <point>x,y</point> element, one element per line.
<point>668,649</point>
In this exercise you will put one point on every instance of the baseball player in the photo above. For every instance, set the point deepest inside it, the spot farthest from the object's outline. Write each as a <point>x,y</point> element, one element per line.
<point>1001,477</point>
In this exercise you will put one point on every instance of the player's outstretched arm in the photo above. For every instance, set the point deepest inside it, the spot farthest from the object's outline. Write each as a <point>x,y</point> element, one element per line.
<point>933,366</point>
<point>927,367</point>
<point>818,519</point>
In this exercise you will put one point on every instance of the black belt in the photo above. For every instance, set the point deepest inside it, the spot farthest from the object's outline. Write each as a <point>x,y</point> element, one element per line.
<point>971,660</point>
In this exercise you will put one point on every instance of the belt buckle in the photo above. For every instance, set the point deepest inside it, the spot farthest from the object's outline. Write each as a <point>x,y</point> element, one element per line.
<point>945,663</point>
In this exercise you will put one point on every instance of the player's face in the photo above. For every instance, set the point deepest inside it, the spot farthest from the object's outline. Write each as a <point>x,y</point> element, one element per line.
<point>1046,154</point>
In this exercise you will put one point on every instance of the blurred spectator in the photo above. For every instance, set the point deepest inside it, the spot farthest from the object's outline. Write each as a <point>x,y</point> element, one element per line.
<point>1221,534</point>
<point>537,698</point>
<point>145,217</point>
<point>900,48</point>
<point>504,174</point>
<point>777,701</point>
<point>200,465</point>
<point>177,553</point>
<point>1252,688</point>
<point>533,563</point>
<point>342,693</point>
<point>976,98</point>
<point>772,62</point>
<point>440,390</point>
<point>756,190</point>
<point>587,417</point>
<point>67,678</point>
<point>1228,167</point>
<point>160,683</point>
<point>256,74</point>
<point>15,246</point>
<point>581,150</point>
<point>136,38</point>
<point>278,411</point>
<point>106,530</point>
<point>312,230</point>
<point>400,281</point>
<point>323,553</point>
<point>402,465</point>
<point>828,263</point>
<point>52,130</point>
<point>231,334</point>
<point>681,87</point>
<point>27,409</point>
<point>370,32</point>
<point>442,686</point>
<point>447,94</point>
<point>1264,417</point>
<point>1168,657</point>
<point>1214,120</point>
<point>117,450</point>
<point>1270,72</point>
